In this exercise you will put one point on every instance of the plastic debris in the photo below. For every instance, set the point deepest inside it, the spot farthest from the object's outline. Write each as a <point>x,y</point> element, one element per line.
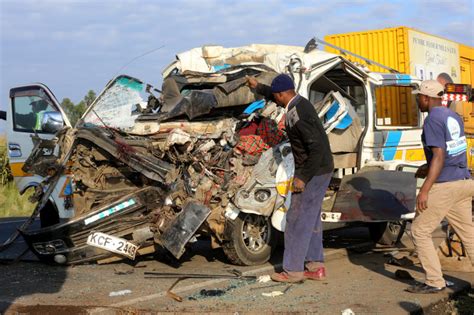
<point>347,311</point>
<point>272,294</point>
<point>264,279</point>
<point>120,293</point>
<point>277,293</point>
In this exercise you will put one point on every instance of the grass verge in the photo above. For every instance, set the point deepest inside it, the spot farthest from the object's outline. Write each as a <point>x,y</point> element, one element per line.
<point>12,204</point>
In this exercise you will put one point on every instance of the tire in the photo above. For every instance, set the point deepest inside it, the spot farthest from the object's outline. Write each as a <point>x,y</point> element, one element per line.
<point>386,233</point>
<point>251,239</point>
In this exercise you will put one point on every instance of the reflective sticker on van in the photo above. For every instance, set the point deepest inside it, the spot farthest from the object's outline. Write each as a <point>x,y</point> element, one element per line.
<point>110,211</point>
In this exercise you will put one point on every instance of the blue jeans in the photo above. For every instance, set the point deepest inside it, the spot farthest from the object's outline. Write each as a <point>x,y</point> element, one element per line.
<point>304,229</point>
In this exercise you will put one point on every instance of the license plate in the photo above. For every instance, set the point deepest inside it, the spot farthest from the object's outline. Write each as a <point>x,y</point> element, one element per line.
<point>113,244</point>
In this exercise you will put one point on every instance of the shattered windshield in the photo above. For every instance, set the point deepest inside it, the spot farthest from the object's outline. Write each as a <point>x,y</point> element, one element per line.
<point>115,107</point>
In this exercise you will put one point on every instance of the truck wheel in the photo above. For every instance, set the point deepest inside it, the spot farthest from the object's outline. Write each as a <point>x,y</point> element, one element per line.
<point>386,233</point>
<point>251,239</point>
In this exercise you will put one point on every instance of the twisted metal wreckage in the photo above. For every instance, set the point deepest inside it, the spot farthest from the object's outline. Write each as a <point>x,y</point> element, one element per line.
<point>154,167</point>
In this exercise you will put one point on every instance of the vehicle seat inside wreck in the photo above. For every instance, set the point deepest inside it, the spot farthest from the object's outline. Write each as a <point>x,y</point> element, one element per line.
<point>339,100</point>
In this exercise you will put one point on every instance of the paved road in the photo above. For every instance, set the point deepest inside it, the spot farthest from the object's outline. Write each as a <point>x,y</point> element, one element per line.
<point>358,279</point>
<point>8,226</point>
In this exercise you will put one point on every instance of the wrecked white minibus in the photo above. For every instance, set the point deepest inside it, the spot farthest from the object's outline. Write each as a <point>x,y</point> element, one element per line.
<point>205,155</point>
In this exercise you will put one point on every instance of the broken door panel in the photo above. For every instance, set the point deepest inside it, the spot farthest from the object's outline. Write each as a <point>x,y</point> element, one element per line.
<point>376,196</point>
<point>183,228</point>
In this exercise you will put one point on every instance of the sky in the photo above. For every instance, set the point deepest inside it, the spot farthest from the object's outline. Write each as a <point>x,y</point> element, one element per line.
<point>77,46</point>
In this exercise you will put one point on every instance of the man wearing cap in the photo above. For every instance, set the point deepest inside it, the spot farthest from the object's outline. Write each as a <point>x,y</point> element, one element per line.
<point>448,188</point>
<point>303,256</point>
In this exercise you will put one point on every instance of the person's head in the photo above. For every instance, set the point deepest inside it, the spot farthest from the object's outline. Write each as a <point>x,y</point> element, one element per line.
<point>283,89</point>
<point>39,106</point>
<point>429,95</point>
<point>444,78</point>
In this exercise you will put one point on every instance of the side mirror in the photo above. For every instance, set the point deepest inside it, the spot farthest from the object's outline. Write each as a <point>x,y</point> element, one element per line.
<point>52,122</point>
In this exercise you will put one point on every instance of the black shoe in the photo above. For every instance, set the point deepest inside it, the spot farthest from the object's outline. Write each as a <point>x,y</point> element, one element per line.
<point>423,288</point>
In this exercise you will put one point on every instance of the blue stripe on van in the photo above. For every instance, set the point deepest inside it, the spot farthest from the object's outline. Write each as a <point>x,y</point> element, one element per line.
<point>391,144</point>
<point>403,79</point>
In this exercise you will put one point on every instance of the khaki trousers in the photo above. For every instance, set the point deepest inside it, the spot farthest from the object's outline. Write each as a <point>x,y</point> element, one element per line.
<point>452,200</point>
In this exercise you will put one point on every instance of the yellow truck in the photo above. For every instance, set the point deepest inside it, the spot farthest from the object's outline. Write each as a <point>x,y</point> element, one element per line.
<point>413,52</point>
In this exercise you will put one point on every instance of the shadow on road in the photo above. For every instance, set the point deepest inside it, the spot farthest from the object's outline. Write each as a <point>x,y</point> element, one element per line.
<point>40,278</point>
<point>382,256</point>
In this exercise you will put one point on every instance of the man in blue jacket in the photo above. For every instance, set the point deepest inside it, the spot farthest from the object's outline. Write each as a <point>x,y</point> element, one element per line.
<point>303,257</point>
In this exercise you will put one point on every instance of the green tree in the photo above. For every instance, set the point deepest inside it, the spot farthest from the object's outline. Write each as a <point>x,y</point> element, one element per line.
<point>74,112</point>
<point>68,107</point>
<point>70,110</point>
<point>90,97</point>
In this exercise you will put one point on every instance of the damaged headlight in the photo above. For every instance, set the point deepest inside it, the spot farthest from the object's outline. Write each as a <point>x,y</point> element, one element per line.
<point>262,195</point>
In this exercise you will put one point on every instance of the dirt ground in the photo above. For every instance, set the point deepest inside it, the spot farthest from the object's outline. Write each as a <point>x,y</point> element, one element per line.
<point>462,303</point>
<point>359,279</point>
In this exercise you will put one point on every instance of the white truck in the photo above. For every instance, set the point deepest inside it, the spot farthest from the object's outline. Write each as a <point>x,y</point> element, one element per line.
<point>151,168</point>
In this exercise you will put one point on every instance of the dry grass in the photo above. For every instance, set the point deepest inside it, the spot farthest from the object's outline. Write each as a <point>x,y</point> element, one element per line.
<point>12,204</point>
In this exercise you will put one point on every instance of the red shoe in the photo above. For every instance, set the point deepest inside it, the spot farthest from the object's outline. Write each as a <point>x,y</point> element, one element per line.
<point>289,277</point>
<point>319,274</point>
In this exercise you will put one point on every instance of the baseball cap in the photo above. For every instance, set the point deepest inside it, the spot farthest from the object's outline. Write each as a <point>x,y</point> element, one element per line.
<point>431,88</point>
<point>282,83</point>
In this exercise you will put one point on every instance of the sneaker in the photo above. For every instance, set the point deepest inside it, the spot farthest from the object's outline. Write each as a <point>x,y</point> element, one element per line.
<point>290,277</point>
<point>423,288</point>
<point>318,274</point>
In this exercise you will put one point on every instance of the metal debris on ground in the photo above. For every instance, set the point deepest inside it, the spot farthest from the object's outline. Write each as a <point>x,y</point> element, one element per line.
<point>164,275</point>
<point>173,295</point>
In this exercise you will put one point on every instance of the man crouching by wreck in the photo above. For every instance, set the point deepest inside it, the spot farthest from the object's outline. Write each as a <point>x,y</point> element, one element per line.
<point>303,256</point>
